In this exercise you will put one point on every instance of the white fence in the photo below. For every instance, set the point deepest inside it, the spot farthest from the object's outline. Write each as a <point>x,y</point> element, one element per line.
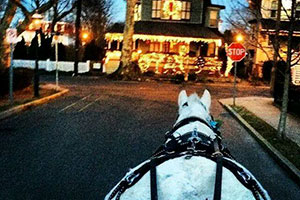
<point>48,65</point>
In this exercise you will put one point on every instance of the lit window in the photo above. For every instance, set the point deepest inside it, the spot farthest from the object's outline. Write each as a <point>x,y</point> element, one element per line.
<point>137,12</point>
<point>186,10</point>
<point>273,9</point>
<point>155,47</point>
<point>156,8</point>
<point>213,21</point>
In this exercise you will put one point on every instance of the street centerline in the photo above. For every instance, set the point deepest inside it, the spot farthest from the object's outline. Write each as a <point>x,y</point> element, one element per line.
<point>73,104</point>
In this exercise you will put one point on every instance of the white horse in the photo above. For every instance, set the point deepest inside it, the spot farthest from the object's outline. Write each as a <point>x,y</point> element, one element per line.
<point>192,164</point>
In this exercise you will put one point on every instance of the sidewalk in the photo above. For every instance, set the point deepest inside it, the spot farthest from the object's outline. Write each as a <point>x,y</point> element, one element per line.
<point>263,108</point>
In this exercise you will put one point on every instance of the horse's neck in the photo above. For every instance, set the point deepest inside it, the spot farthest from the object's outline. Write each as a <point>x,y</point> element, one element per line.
<point>200,127</point>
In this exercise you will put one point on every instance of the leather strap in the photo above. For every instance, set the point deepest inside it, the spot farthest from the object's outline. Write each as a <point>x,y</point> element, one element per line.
<point>153,181</point>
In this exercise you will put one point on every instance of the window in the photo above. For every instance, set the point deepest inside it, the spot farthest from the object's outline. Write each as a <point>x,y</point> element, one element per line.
<point>213,21</point>
<point>186,10</point>
<point>137,12</point>
<point>156,8</point>
<point>155,47</point>
<point>273,9</point>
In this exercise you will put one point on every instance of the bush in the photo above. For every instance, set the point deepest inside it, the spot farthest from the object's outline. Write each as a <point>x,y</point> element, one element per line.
<point>178,78</point>
<point>294,91</point>
<point>22,79</point>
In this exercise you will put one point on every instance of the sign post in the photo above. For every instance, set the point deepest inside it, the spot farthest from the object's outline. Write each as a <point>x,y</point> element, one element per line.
<point>11,37</point>
<point>236,52</point>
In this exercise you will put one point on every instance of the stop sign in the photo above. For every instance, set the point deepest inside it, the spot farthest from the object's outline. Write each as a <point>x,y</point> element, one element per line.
<point>236,51</point>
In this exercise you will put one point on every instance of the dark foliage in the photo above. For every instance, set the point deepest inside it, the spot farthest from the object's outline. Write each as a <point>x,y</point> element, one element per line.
<point>223,57</point>
<point>92,52</point>
<point>33,48</point>
<point>20,51</point>
<point>61,52</point>
<point>294,91</point>
<point>22,79</point>
<point>267,67</point>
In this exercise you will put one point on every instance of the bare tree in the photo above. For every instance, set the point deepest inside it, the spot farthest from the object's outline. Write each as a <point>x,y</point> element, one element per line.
<point>61,9</point>
<point>10,9</point>
<point>238,18</point>
<point>96,15</point>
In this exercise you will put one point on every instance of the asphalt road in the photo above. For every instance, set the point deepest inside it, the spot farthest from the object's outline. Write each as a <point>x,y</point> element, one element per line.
<point>80,145</point>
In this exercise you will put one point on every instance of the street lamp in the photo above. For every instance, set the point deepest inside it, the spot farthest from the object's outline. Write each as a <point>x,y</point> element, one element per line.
<point>239,38</point>
<point>37,25</point>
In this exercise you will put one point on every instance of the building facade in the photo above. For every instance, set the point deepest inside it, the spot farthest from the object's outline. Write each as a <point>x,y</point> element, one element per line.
<point>171,36</point>
<point>265,28</point>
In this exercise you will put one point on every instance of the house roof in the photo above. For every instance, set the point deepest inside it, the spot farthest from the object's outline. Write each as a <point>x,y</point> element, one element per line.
<point>170,29</point>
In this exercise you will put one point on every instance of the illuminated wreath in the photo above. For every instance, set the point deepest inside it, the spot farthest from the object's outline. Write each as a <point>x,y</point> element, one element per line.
<point>176,11</point>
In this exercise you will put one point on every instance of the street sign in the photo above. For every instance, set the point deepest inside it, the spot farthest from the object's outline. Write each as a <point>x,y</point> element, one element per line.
<point>236,51</point>
<point>11,35</point>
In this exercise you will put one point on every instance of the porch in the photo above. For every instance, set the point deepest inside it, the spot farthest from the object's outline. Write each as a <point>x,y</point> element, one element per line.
<point>166,54</point>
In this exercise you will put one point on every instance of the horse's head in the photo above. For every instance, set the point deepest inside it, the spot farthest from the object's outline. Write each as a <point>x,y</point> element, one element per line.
<point>194,109</point>
<point>194,106</point>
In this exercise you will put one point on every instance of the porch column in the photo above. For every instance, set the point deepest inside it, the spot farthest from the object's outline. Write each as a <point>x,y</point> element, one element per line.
<point>109,44</point>
<point>216,50</point>
<point>134,42</point>
<point>118,45</point>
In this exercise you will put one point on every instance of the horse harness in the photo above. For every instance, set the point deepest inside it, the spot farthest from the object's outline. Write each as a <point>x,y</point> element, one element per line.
<point>190,144</point>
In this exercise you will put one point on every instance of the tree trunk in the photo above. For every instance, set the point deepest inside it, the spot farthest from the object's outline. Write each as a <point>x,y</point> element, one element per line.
<point>276,47</point>
<point>8,16</point>
<point>126,69</point>
<point>285,99</point>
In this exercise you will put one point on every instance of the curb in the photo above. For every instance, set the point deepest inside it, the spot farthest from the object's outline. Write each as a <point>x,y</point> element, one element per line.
<point>282,161</point>
<point>26,106</point>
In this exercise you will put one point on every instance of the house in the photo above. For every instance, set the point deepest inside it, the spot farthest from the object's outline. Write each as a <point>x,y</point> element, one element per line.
<point>171,36</point>
<point>265,34</point>
<point>66,29</point>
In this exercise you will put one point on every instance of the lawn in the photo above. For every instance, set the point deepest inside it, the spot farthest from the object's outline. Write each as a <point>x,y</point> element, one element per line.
<point>286,147</point>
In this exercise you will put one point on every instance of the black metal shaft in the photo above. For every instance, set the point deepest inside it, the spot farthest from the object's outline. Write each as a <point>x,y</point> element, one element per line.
<point>77,35</point>
<point>36,73</point>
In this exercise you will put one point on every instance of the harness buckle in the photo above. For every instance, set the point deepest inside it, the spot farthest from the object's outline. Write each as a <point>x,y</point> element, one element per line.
<point>130,178</point>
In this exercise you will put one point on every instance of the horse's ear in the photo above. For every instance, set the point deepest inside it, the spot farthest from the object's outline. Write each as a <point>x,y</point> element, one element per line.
<point>206,99</point>
<point>182,98</point>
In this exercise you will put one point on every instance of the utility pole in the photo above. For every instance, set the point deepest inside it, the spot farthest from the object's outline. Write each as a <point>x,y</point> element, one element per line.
<point>77,35</point>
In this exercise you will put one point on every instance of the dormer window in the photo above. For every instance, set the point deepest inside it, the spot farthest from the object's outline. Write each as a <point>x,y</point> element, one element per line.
<point>273,8</point>
<point>213,18</point>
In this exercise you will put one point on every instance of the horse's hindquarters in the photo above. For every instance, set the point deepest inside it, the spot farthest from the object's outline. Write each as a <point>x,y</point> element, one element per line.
<point>190,178</point>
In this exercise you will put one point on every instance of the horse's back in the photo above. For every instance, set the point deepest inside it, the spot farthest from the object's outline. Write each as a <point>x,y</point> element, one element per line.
<point>190,178</point>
